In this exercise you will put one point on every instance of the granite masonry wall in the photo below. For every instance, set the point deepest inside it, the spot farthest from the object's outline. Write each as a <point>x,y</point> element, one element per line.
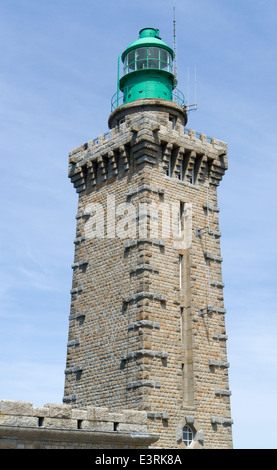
<point>147,321</point>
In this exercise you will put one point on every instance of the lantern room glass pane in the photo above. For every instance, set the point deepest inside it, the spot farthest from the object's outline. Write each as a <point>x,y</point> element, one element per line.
<point>153,63</point>
<point>148,58</point>
<point>141,58</point>
<point>164,55</point>
<point>131,61</point>
<point>166,60</point>
<point>141,53</point>
<point>153,52</point>
<point>153,57</point>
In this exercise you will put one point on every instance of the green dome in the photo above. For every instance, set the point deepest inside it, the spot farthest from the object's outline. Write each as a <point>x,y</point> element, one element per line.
<point>147,37</point>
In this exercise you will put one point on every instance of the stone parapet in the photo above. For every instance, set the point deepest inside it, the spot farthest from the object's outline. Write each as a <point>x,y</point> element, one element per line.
<point>23,425</point>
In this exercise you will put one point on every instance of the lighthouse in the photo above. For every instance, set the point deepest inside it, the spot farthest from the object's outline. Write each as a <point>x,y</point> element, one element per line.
<point>147,318</point>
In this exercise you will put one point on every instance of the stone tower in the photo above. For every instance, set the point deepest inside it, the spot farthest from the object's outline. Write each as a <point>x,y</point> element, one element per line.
<point>147,321</point>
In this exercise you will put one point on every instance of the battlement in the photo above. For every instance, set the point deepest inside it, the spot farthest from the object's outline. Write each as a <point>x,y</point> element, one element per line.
<point>23,425</point>
<point>190,134</point>
<point>145,138</point>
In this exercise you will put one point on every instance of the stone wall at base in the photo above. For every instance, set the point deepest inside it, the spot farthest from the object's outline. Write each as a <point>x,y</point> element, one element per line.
<point>55,426</point>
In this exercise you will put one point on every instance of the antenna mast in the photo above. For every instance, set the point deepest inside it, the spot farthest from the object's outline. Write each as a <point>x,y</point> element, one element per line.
<point>188,107</point>
<point>174,44</point>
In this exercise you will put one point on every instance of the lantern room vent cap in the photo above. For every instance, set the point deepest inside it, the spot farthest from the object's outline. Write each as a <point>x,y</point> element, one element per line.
<point>149,32</point>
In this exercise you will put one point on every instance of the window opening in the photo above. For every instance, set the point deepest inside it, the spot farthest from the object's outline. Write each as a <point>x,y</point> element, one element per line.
<point>180,271</point>
<point>181,326</point>
<point>40,422</point>
<point>172,119</point>
<point>181,218</point>
<point>188,435</point>
<point>115,426</point>
<point>183,381</point>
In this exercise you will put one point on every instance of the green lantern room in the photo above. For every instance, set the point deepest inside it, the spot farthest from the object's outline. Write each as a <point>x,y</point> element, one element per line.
<point>147,71</point>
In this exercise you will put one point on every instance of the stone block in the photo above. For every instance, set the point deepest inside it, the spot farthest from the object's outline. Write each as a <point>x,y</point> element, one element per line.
<point>117,417</point>
<point>65,423</point>
<point>79,414</point>
<point>14,407</point>
<point>136,417</point>
<point>41,412</point>
<point>16,420</point>
<point>59,411</point>
<point>97,425</point>
<point>90,412</point>
<point>101,414</point>
<point>134,427</point>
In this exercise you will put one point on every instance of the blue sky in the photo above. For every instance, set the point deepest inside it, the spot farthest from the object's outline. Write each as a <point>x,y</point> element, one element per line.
<point>57,76</point>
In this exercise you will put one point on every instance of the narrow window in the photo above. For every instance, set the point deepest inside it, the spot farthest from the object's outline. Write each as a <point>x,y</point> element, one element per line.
<point>183,382</point>
<point>115,426</point>
<point>180,271</point>
<point>181,218</point>
<point>79,424</point>
<point>181,327</point>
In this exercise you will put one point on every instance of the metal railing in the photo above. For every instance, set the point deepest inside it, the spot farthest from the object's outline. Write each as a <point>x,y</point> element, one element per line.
<point>118,98</point>
<point>178,97</point>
